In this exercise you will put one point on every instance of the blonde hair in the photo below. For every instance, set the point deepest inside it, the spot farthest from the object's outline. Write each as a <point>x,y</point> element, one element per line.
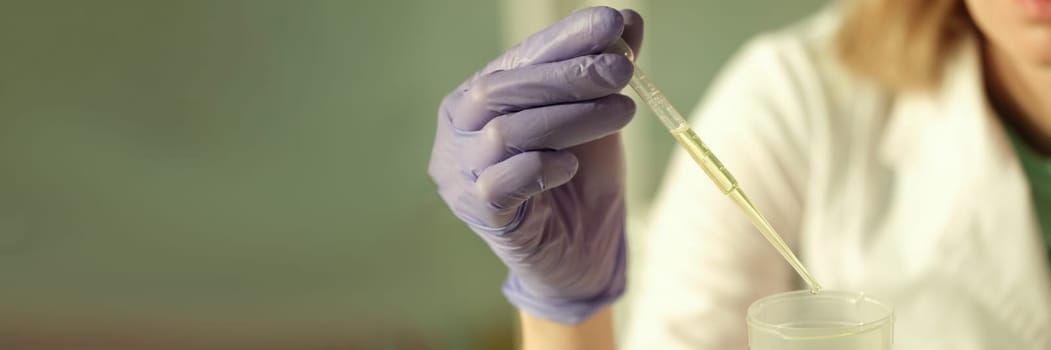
<point>901,43</point>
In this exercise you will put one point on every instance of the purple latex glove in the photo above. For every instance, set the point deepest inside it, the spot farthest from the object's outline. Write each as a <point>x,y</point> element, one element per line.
<point>528,154</point>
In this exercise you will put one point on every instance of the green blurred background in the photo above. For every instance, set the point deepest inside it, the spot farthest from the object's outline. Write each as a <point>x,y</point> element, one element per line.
<point>256,169</point>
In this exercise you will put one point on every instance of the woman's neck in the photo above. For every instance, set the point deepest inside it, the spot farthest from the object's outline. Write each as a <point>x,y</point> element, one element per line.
<point>1021,95</point>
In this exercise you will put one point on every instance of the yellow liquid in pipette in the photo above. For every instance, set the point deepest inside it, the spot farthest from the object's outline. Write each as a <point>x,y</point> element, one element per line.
<point>715,170</point>
<point>671,119</point>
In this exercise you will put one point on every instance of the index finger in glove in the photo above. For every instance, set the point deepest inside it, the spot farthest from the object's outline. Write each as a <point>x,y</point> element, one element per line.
<point>503,92</point>
<point>585,32</point>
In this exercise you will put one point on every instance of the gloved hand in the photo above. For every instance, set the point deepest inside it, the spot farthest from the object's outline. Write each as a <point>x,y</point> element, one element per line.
<point>528,155</point>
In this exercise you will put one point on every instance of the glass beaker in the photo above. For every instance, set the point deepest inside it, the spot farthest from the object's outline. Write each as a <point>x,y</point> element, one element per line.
<point>828,320</point>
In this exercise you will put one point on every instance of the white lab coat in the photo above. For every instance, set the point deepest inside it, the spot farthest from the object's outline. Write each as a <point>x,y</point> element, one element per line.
<point>915,197</point>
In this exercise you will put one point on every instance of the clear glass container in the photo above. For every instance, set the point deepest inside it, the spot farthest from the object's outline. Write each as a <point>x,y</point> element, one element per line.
<point>827,320</point>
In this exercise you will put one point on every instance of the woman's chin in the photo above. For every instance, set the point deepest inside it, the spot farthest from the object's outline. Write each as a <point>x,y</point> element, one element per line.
<point>1035,47</point>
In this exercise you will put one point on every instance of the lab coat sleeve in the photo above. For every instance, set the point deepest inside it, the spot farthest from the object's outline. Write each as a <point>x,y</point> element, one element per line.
<point>701,263</point>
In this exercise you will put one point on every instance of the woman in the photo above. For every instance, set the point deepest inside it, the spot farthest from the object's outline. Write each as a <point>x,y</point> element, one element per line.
<point>900,146</point>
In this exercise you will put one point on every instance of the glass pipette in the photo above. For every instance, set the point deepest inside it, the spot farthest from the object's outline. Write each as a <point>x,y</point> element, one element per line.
<point>711,165</point>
